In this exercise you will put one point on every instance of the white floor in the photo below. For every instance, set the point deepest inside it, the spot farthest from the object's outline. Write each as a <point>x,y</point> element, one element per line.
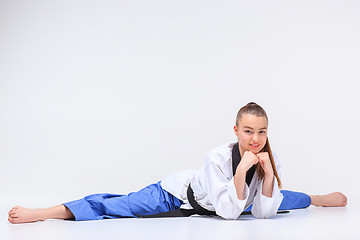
<point>310,223</point>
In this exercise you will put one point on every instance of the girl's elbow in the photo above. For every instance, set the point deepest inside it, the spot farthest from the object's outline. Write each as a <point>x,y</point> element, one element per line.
<point>230,217</point>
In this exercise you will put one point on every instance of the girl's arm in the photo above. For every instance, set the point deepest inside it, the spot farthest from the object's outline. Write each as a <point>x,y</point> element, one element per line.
<point>239,181</point>
<point>249,159</point>
<point>268,185</point>
<point>268,197</point>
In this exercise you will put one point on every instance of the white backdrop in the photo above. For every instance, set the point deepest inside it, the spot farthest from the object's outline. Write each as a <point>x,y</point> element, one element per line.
<point>110,96</point>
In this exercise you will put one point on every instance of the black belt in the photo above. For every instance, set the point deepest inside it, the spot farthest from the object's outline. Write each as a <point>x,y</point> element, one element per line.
<point>196,209</point>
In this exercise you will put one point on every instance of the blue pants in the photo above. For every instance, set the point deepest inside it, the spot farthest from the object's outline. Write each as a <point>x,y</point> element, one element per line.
<point>150,200</point>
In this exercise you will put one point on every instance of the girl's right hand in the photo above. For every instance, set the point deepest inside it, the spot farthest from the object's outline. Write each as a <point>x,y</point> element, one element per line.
<point>247,161</point>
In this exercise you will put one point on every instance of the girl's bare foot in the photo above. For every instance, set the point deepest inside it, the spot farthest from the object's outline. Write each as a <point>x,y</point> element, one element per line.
<point>24,215</point>
<point>335,199</point>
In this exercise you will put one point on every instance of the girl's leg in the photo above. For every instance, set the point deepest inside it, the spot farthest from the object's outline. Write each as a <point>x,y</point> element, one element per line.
<point>148,201</point>
<point>296,200</point>
<point>23,215</point>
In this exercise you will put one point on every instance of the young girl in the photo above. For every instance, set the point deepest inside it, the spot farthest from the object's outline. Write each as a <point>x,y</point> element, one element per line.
<point>236,178</point>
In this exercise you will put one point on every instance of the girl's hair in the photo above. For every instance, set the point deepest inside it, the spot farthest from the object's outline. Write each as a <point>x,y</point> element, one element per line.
<point>254,109</point>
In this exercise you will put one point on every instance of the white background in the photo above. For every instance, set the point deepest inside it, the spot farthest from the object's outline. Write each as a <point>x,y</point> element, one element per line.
<point>110,96</point>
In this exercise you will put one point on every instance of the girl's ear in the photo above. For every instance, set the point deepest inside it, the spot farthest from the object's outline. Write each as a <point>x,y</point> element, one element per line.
<point>235,130</point>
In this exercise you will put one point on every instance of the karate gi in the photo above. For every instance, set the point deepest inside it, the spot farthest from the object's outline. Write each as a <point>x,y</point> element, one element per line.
<point>213,187</point>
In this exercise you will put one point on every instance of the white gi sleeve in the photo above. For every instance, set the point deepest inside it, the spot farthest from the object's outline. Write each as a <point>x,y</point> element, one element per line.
<point>265,207</point>
<point>222,193</point>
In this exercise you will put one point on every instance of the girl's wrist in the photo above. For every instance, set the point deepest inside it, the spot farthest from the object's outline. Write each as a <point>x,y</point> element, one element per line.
<point>240,169</point>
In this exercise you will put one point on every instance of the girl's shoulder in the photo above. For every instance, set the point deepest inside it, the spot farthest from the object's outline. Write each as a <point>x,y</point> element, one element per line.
<point>221,153</point>
<point>223,148</point>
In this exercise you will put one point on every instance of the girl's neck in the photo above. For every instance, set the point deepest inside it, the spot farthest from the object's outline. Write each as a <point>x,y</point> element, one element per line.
<point>241,151</point>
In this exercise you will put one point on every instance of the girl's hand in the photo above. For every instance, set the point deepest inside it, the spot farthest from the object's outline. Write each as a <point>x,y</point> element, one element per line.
<point>265,162</point>
<point>247,161</point>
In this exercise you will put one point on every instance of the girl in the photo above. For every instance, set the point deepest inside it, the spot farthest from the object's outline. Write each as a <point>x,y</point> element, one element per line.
<point>236,178</point>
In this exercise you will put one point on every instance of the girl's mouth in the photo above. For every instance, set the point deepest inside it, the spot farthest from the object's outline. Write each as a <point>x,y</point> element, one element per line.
<point>255,145</point>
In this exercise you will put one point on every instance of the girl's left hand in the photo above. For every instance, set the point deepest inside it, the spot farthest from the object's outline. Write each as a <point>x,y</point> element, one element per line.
<point>265,162</point>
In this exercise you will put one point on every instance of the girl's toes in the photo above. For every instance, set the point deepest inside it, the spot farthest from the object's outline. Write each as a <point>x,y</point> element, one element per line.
<point>11,220</point>
<point>15,220</point>
<point>13,215</point>
<point>14,208</point>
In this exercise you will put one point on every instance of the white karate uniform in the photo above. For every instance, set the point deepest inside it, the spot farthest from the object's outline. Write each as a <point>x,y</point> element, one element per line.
<point>214,187</point>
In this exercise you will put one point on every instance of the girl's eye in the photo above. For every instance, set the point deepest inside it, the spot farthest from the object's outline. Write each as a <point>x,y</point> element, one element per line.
<point>247,131</point>
<point>262,132</point>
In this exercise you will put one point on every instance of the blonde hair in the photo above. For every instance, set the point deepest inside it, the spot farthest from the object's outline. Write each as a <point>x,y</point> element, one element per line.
<point>255,109</point>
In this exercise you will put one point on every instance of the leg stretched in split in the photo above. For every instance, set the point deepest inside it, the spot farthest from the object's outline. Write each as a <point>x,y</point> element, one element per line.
<point>296,200</point>
<point>148,201</point>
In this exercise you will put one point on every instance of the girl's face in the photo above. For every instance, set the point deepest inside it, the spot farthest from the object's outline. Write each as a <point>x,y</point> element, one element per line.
<point>252,133</point>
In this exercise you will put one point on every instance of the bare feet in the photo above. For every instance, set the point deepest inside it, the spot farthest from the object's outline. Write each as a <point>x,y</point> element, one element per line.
<point>24,215</point>
<point>335,199</point>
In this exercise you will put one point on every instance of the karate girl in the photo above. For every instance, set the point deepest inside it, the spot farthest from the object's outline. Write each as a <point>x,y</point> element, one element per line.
<point>236,178</point>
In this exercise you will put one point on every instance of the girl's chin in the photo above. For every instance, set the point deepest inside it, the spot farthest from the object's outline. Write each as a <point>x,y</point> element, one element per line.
<point>254,151</point>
